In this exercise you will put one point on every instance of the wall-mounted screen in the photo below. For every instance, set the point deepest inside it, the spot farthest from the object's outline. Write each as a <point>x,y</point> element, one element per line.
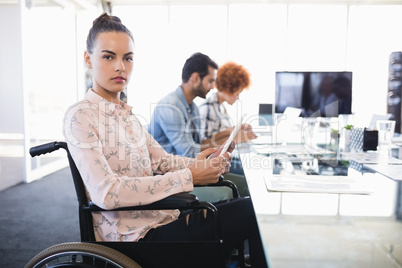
<point>318,94</point>
<point>266,114</point>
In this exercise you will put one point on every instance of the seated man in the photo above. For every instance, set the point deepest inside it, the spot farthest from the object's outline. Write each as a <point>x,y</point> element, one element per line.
<point>175,123</point>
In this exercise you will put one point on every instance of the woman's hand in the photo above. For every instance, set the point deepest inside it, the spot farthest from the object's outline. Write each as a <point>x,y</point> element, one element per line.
<point>232,146</point>
<point>227,157</point>
<point>207,169</point>
<point>245,134</point>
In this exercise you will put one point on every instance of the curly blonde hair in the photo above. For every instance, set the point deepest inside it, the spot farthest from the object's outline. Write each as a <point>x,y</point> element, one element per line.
<point>232,77</point>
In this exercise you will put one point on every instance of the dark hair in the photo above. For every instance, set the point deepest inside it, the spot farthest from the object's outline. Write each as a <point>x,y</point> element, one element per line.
<point>103,24</point>
<point>232,77</point>
<point>197,63</point>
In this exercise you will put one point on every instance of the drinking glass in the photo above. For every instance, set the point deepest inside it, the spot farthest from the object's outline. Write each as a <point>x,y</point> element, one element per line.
<point>386,130</point>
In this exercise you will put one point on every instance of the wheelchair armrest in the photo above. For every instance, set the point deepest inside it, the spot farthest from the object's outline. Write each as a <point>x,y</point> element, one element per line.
<point>179,201</point>
<point>231,185</point>
<point>226,183</point>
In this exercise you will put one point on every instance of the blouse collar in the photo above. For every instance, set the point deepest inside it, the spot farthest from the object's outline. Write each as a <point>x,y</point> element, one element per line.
<point>93,97</point>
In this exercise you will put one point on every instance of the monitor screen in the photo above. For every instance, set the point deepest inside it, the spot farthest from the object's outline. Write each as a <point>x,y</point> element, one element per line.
<point>266,114</point>
<point>317,94</point>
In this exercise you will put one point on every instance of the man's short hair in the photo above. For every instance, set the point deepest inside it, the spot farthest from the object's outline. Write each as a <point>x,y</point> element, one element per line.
<point>197,63</point>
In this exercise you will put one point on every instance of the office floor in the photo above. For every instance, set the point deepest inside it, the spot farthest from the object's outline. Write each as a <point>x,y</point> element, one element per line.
<point>366,242</point>
<point>35,216</point>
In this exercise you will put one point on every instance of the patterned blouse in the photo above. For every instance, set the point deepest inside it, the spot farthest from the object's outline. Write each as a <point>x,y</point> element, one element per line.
<point>122,165</point>
<point>214,117</point>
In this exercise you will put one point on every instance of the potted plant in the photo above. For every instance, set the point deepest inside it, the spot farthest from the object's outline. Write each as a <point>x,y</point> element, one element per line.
<point>346,137</point>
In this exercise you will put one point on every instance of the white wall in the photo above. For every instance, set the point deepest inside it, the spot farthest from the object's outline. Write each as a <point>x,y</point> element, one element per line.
<point>11,97</point>
<point>11,90</point>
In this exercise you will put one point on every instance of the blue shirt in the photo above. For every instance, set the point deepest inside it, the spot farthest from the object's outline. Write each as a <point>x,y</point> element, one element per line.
<point>175,125</point>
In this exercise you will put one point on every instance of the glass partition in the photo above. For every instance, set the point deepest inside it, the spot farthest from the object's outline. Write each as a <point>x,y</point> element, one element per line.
<point>50,56</point>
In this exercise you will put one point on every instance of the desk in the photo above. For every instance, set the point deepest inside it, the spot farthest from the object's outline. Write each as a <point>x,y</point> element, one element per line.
<point>324,230</point>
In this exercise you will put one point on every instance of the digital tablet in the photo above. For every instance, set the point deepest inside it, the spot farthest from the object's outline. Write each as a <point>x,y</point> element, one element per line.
<point>232,136</point>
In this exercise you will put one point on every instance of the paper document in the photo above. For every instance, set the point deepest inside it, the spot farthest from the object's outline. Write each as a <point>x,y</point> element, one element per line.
<point>275,148</point>
<point>370,158</point>
<point>389,170</point>
<point>316,184</point>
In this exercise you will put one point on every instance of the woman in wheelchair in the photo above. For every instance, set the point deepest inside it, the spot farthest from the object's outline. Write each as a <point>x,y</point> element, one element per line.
<point>122,165</point>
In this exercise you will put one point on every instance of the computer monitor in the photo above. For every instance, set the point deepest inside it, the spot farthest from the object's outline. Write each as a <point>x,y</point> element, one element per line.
<point>318,94</point>
<point>266,114</point>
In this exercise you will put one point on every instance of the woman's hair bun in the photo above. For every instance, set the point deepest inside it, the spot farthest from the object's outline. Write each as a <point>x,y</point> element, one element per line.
<point>116,19</point>
<point>105,18</point>
<point>103,24</point>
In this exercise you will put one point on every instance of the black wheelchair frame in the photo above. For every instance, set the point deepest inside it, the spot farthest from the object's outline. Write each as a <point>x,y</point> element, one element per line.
<point>90,253</point>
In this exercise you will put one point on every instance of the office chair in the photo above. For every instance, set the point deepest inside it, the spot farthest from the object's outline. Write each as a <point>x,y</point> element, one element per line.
<point>90,253</point>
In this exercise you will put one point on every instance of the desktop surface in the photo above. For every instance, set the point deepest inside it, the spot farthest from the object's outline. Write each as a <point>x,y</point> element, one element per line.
<point>323,228</point>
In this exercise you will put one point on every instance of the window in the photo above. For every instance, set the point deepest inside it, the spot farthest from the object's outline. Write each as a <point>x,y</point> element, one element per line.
<point>264,38</point>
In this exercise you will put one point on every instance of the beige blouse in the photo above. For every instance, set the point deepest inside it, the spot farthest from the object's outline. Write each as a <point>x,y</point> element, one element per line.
<point>122,165</point>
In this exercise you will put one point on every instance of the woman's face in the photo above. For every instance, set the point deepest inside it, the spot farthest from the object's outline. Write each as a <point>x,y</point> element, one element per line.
<point>231,98</point>
<point>111,63</point>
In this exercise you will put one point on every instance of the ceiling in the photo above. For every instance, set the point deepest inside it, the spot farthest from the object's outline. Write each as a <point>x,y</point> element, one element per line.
<point>77,4</point>
<point>89,4</point>
<point>147,2</point>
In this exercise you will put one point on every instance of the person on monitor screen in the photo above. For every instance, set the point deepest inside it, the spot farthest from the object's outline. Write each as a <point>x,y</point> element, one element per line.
<point>231,80</point>
<point>343,90</point>
<point>328,98</point>
<point>122,165</point>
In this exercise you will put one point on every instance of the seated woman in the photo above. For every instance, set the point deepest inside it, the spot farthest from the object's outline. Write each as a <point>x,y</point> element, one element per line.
<point>122,165</point>
<point>231,80</point>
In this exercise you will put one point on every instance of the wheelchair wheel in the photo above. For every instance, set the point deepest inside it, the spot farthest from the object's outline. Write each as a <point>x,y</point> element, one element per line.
<point>83,255</point>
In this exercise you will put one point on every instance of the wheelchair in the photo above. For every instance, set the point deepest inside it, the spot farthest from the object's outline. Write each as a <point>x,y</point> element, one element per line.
<point>89,253</point>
